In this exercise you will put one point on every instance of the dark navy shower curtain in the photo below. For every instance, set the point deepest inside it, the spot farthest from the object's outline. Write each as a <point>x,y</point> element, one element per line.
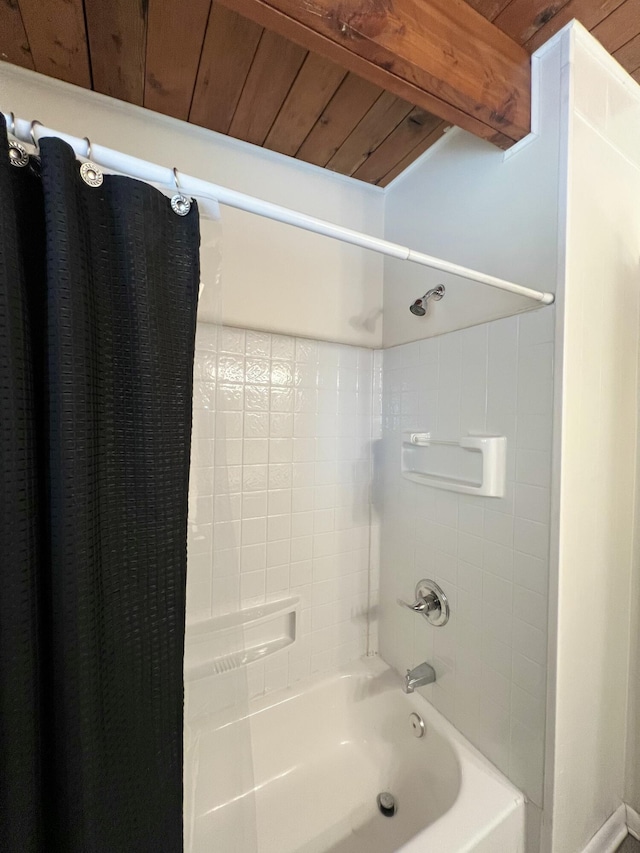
<point>98,294</point>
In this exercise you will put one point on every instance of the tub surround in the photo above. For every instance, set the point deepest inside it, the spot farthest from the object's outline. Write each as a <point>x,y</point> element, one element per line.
<point>296,465</point>
<point>488,554</point>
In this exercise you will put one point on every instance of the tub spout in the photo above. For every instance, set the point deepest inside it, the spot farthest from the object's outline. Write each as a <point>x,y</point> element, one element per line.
<point>419,676</point>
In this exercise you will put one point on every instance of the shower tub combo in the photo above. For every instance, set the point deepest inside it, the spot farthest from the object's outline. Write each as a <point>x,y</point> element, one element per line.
<point>323,752</point>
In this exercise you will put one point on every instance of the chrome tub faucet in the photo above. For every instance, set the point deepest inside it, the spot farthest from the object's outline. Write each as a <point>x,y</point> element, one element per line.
<point>419,676</point>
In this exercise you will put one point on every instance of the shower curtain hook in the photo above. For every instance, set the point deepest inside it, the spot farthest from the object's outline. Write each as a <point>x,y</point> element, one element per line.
<point>180,204</point>
<point>17,152</point>
<point>32,133</point>
<point>89,172</point>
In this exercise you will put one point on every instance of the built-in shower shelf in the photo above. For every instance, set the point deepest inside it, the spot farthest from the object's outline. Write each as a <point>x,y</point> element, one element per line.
<point>222,643</point>
<point>471,465</point>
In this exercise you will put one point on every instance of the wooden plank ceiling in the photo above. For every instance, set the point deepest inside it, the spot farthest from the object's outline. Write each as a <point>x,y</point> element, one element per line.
<point>200,62</point>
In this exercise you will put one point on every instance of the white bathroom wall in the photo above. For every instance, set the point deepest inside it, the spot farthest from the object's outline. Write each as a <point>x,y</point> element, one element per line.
<point>276,278</point>
<point>501,214</point>
<point>490,555</point>
<point>598,333</point>
<point>470,203</point>
<point>280,505</point>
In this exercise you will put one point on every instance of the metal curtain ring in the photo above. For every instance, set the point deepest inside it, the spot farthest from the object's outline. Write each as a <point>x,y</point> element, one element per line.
<point>89,172</point>
<point>34,139</point>
<point>180,204</point>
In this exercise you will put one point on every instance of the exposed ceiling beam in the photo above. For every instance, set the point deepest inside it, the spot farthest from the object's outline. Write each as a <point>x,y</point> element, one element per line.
<point>441,55</point>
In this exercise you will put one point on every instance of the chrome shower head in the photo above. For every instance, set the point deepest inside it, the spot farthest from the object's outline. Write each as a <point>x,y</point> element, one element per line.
<point>419,307</point>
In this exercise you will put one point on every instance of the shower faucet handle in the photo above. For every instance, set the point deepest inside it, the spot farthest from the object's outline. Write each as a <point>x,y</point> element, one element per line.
<point>421,605</point>
<point>431,602</point>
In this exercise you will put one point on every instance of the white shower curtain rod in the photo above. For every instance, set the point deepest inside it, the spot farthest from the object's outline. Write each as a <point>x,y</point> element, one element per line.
<point>134,167</point>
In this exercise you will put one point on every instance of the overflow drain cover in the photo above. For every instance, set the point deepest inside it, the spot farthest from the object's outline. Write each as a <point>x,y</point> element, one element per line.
<point>387,804</point>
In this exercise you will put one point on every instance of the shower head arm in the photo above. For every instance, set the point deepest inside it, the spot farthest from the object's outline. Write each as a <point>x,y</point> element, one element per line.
<point>419,307</point>
<point>435,293</point>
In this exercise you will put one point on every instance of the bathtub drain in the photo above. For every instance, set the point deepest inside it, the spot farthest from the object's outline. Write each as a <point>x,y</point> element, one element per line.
<point>386,804</point>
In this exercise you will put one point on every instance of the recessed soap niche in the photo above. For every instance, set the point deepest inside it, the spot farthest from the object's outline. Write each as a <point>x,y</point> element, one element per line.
<point>471,465</point>
<point>222,643</point>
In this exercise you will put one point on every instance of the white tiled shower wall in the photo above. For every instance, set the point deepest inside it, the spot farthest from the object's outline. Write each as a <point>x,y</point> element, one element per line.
<point>490,555</point>
<point>280,505</point>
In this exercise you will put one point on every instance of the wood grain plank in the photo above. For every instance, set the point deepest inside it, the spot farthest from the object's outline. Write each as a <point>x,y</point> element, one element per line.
<point>229,47</point>
<point>489,9</point>
<point>412,130</point>
<point>441,55</point>
<point>629,55</point>
<point>315,85</point>
<point>381,120</point>
<point>588,12</point>
<point>522,19</point>
<point>636,75</point>
<point>57,39</point>
<point>349,105</point>
<point>14,44</point>
<point>413,155</point>
<point>175,33</point>
<point>117,40</point>
<point>275,67</point>
<point>619,27</point>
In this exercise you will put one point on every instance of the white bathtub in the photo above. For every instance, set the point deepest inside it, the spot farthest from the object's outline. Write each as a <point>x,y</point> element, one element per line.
<point>320,754</point>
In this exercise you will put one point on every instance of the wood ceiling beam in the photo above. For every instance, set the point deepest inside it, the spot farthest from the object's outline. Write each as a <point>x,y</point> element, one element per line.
<point>441,55</point>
